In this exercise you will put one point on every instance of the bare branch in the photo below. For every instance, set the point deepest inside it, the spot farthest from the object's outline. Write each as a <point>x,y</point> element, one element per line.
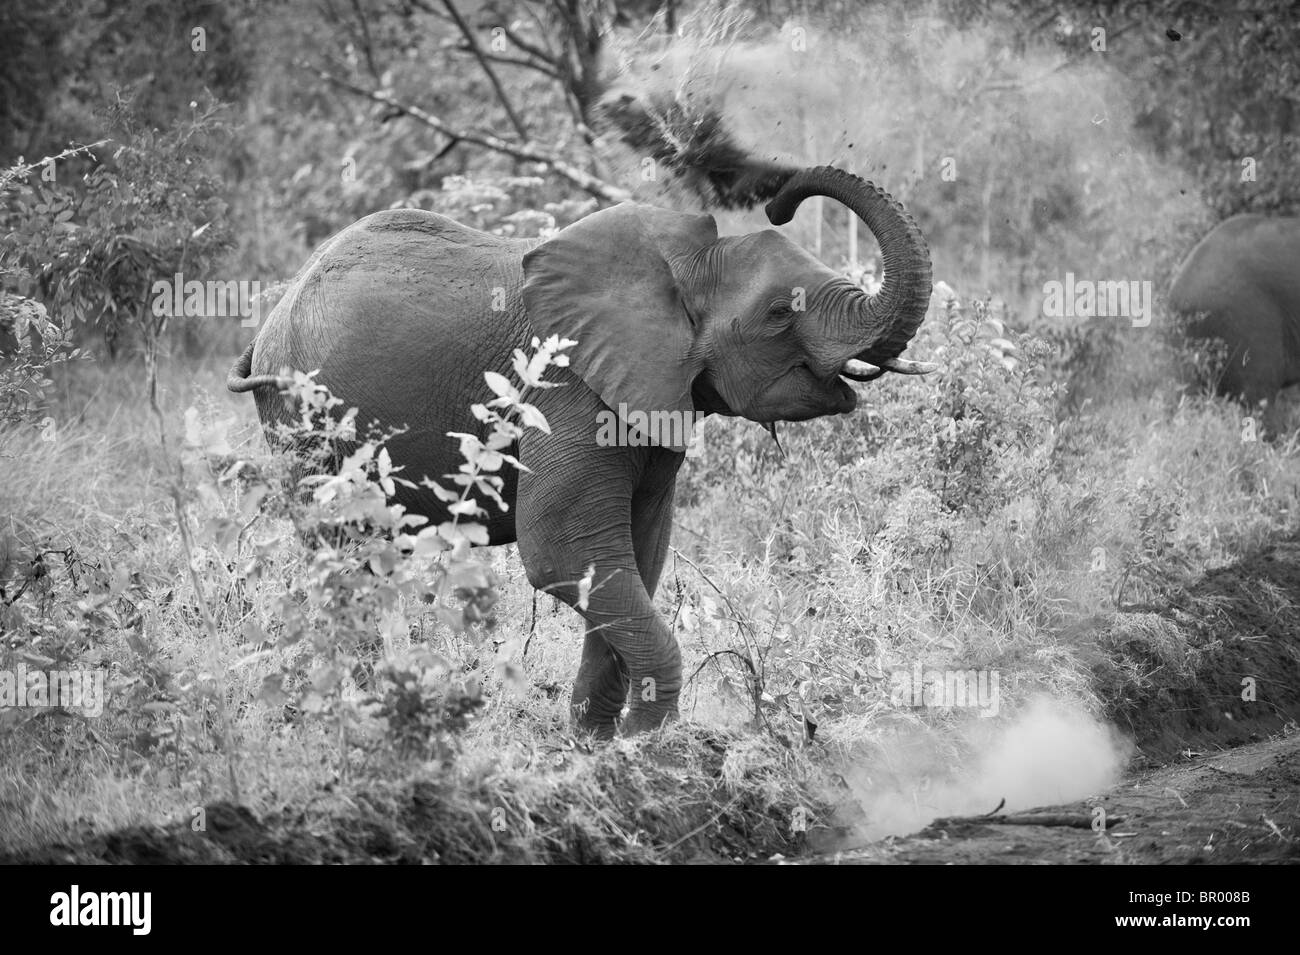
<point>431,10</point>
<point>563,73</point>
<point>472,41</point>
<point>366,46</point>
<point>566,170</point>
<point>530,48</point>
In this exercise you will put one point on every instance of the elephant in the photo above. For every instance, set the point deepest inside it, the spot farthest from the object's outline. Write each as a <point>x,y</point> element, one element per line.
<point>403,311</point>
<point>1241,284</point>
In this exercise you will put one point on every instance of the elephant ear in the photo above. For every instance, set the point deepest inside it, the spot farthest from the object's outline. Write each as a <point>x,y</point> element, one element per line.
<point>606,282</point>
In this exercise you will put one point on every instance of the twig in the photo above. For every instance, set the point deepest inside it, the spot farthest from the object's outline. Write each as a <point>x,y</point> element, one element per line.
<point>542,68</point>
<point>746,634</point>
<point>25,169</point>
<point>532,628</point>
<point>529,48</point>
<point>736,617</point>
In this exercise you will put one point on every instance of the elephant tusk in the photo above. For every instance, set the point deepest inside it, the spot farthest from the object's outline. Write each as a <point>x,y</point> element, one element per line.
<point>860,370</point>
<point>902,366</point>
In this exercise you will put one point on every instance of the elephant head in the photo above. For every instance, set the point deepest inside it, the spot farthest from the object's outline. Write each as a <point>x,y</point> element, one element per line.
<point>670,317</point>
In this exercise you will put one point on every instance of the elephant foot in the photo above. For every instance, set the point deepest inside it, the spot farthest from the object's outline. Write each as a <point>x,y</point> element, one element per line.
<point>598,721</point>
<point>606,726</point>
<point>644,719</point>
<point>653,700</point>
<point>600,690</point>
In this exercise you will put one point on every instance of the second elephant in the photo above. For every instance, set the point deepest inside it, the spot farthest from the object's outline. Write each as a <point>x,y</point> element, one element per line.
<point>1241,285</point>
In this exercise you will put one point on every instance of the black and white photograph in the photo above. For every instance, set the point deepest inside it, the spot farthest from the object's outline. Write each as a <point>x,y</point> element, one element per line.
<point>651,432</point>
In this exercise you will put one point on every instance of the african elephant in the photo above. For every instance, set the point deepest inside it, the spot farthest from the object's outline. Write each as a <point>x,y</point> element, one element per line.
<point>397,313</point>
<point>1241,284</point>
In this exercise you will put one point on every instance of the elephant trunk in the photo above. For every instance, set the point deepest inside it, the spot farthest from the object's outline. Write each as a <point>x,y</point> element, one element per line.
<point>883,324</point>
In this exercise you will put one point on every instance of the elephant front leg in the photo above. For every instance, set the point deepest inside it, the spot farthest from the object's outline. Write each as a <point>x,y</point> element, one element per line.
<point>600,689</point>
<point>652,519</point>
<point>655,685</point>
<point>582,505</point>
<point>630,654</point>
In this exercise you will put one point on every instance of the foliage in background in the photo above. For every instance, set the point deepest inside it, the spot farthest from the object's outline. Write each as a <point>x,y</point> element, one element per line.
<point>1023,150</point>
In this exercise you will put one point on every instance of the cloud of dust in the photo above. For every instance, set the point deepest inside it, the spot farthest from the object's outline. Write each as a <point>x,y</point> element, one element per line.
<point>894,95</point>
<point>1048,753</point>
<point>1001,152</point>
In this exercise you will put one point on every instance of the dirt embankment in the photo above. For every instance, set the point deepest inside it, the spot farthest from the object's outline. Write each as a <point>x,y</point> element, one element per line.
<point>1240,681</point>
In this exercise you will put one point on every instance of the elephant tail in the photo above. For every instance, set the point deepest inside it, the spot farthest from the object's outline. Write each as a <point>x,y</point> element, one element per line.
<point>240,380</point>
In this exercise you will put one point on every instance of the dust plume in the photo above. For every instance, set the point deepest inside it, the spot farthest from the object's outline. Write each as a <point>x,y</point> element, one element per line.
<point>1048,753</point>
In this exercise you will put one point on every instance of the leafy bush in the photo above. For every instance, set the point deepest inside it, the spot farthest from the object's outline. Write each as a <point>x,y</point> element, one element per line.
<point>372,564</point>
<point>330,630</point>
<point>31,343</point>
<point>991,409</point>
<point>37,345</point>
<point>92,248</point>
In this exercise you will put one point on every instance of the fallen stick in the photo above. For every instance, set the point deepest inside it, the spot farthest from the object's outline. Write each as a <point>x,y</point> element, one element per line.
<point>1069,820</point>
